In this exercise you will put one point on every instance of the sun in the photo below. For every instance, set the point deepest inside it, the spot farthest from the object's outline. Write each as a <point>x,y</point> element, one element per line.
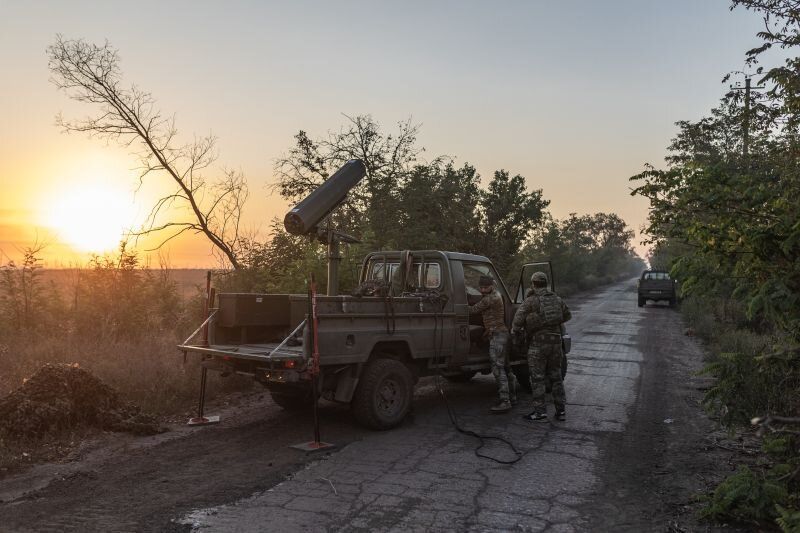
<point>91,218</point>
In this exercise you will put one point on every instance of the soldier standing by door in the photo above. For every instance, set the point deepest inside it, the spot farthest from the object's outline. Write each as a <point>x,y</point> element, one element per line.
<point>541,316</point>
<point>492,309</point>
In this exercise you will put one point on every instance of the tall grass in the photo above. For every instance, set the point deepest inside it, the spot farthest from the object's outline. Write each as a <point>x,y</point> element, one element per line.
<point>114,318</point>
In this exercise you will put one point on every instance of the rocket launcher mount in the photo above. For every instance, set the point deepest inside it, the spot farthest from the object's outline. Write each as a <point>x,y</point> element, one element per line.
<point>309,217</point>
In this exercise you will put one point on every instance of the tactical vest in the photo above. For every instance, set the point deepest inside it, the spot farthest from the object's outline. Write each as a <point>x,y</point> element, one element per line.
<point>549,314</point>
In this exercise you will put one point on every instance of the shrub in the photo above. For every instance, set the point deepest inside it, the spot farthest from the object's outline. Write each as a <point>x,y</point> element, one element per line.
<point>746,496</point>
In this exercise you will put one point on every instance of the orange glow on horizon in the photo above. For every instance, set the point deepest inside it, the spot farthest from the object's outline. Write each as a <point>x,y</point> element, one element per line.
<point>92,218</point>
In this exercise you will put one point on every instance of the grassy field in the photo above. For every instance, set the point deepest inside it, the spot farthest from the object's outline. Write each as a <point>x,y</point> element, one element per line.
<point>121,325</point>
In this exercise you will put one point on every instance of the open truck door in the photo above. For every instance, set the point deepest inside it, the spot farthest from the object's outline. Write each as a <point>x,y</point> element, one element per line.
<point>522,289</point>
<point>525,278</point>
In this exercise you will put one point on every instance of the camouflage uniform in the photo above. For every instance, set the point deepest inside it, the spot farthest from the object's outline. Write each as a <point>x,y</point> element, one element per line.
<point>492,309</point>
<point>544,351</point>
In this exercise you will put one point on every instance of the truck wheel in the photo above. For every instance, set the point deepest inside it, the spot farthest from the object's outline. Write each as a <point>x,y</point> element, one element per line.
<point>641,301</point>
<point>383,396</point>
<point>294,400</point>
<point>464,377</point>
<point>523,376</point>
<point>672,302</point>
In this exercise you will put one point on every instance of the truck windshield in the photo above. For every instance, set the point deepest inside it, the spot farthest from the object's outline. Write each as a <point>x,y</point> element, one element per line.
<point>656,275</point>
<point>432,273</point>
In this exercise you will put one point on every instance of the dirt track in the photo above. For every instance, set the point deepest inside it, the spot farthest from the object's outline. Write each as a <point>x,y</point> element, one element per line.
<point>634,451</point>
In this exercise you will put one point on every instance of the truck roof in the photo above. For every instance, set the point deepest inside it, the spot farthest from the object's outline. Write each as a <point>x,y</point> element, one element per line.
<point>458,256</point>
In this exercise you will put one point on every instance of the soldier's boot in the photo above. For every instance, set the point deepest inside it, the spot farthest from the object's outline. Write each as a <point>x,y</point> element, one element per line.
<point>503,406</point>
<point>561,415</point>
<point>536,416</point>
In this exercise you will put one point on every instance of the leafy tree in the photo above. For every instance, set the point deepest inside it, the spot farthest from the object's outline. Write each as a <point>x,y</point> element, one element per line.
<point>586,250</point>
<point>511,213</point>
<point>279,265</point>
<point>437,208</point>
<point>727,219</point>
<point>387,157</point>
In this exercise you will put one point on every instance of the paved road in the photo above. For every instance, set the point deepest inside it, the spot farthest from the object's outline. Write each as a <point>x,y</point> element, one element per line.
<point>424,476</point>
<point>629,457</point>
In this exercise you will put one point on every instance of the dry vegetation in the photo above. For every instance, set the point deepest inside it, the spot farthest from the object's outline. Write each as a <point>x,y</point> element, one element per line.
<point>114,318</point>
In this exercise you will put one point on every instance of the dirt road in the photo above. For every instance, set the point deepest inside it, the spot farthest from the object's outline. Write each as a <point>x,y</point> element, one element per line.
<point>631,455</point>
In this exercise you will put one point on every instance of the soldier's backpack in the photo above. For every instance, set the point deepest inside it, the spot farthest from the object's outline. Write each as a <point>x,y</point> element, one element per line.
<point>550,312</point>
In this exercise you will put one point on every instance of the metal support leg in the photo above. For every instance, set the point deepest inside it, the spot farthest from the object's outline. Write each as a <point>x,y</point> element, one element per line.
<point>317,443</point>
<point>200,419</point>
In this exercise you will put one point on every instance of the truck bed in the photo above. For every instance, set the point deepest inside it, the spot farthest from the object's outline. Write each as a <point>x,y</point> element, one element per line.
<point>255,352</point>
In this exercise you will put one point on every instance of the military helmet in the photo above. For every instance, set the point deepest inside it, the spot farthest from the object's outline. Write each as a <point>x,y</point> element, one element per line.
<point>539,278</point>
<point>485,281</point>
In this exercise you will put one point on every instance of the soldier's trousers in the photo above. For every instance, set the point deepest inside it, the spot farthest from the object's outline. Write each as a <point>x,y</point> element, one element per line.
<point>498,355</point>
<point>544,361</point>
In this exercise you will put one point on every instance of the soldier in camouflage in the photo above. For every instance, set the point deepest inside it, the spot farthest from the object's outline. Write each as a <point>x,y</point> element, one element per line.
<point>541,316</point>
<point>492,309</point>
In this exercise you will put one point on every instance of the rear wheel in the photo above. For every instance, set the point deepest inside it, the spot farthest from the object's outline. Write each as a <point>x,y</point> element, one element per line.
<point>672,302</point>
<point>641,301</point>
<point>383,397</point>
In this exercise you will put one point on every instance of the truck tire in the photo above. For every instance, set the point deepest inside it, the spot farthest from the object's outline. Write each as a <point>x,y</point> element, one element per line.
<point>672,302</point>
<point>641,301</point>
<point>383,397</point>
<point>294,401</point>
<point>464,377</point>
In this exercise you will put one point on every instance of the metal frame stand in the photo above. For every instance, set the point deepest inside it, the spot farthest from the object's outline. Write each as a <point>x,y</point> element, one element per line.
<point>201,419</point>
<point>316,444</point>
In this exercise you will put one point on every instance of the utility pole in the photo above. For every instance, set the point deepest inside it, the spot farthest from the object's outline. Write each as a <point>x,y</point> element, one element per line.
<point>746,121</point>
<point>746,126</point>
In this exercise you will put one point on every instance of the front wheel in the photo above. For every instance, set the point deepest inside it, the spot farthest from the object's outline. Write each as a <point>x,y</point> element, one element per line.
<point>383,397</point>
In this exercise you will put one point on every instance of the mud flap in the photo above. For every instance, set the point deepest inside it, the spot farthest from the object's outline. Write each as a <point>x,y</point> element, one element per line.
<point>346,385</point>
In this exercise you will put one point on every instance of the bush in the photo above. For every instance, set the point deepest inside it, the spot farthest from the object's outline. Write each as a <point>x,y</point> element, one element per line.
<point>746,496</point>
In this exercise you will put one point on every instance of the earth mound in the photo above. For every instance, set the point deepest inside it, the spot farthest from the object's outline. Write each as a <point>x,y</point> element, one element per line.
<point>59,397</point>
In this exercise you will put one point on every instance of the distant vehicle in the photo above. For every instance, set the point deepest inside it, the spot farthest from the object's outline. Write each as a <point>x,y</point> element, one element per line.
<point>657,285</point>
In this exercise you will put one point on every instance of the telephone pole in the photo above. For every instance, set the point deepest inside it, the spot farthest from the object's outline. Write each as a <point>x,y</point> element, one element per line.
<point>746,121</point>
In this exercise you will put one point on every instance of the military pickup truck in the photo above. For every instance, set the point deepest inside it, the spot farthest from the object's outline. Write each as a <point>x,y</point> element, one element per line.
<point>408,318</point>
<point>657,285</point>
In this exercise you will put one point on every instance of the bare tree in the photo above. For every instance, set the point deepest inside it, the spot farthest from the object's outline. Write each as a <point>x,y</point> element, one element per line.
<point>90,73</point>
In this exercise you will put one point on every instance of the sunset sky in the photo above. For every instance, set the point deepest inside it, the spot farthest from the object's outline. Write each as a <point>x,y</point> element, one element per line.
<point>574,95</point>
